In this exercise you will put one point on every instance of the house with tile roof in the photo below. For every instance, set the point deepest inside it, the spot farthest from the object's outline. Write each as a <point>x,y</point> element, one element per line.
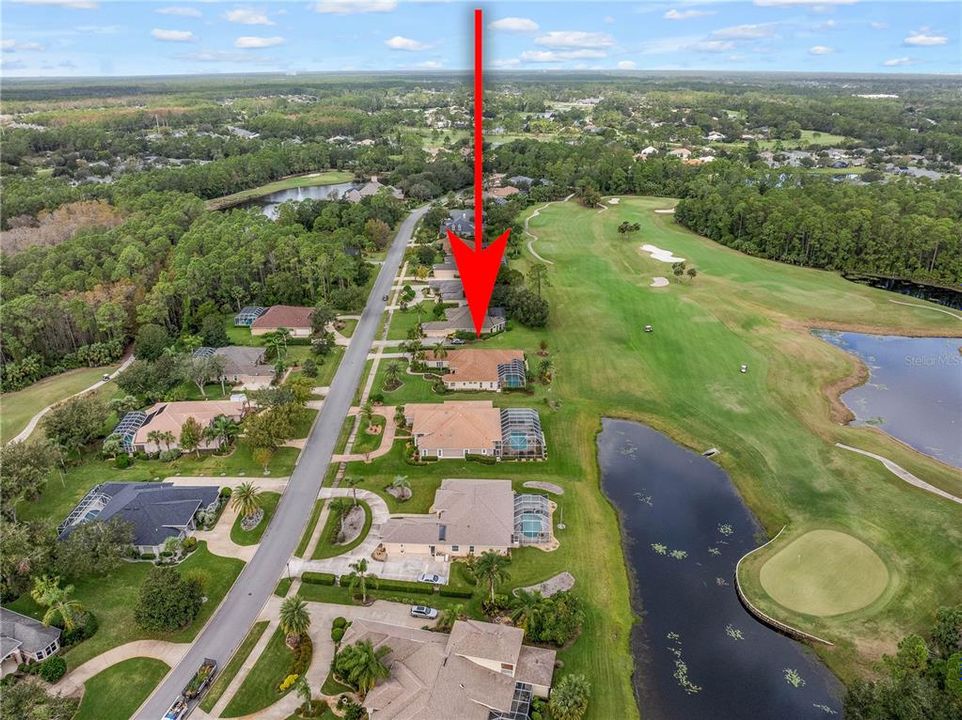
<point>24,640</point>
<point>457,428</point>
<point>295,318</point>
<point>481,671</point>
<point>480,369</point>
<point>135,428</point>
<point>244,366</point>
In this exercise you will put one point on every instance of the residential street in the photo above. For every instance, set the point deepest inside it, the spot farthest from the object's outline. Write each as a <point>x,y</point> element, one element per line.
<point>256,583</point>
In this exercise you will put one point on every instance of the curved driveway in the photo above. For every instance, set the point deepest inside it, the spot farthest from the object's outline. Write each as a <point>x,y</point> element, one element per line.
<point>256,583</point>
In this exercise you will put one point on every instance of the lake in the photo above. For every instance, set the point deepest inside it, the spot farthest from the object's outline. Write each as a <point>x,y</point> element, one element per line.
<point>914,391</point>
<point>270,203</point>
<point>698,652</point>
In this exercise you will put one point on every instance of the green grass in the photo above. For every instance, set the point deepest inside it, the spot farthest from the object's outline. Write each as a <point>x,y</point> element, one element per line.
<point>329,177</point>
<point>231,669</point>
<point>405,320</point>
<point>113,599</point>
<point>239,536</point>
<point>59,498</point>
<point>309,530</point>
<point>117,692</point>
<point>350,325</point>
<point>824,573</point>
<point>18,407</point>
<point>303,426</point>
<point>773,424</point>
<point>365,442</point>
<point>326,367</point>
<point>283,587</point>
<point>259,688</point>
<point>327,549</point>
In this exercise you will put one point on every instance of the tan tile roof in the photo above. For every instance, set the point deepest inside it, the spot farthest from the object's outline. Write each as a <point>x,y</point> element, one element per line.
<point>172,415</point>
<point>288,316</point>
<point>473,512</point>
<point>430,681</point>
<point>535,666</point>
<point>477,365</point>
<point>455,424</point>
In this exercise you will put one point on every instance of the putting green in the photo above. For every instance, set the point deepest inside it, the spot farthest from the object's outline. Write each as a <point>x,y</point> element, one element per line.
<point>824,573</point>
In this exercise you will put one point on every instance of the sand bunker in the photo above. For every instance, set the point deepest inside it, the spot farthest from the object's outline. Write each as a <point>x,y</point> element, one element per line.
<point>661,255</point>
<point>614,201</point>
<point>658,282</point>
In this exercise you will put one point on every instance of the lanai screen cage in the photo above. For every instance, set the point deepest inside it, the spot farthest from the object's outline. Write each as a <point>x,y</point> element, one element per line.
<point>128,426</point>
<point>532,519</point>
<point>512,374</point>
<point>204,352</point>
<point>521,435</point>
<point>248,314</point>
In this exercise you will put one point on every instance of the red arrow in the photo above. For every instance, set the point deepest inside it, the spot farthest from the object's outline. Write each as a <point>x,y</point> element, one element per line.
<point>478,266</point>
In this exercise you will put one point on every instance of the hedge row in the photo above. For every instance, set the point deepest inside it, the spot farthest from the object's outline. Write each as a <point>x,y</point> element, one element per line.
<point>318,578</point>
<point>454,593</point>
<point>405,586</point>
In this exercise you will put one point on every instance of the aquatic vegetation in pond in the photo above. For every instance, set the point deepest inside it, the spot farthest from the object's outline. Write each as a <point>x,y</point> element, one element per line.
<point>714,551</point>
<point>721,582</point>
<point>824,708</point>
<point>646,499</point>
<point>726,529</point>
<point>659,548</point>
<point>678,554</point>
<point>793,678</point>
<point>733,632</point>
<point>681,668</point>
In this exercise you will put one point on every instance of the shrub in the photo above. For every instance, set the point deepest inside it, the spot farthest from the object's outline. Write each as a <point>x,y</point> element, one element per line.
<point>340,622</point>
<point>318,578</point>
<point>404,586</point>
<point>167,601</point>
<point>122,461</point>
<point>52,669</point>
<point>301,659</point>
<point>309,368</point>
<point>454,593</point>
<point>169,455</point>
<point>189,544</point>
<point>337,634</point>
<point>147,556</point>
<point>287,683</point>
<point>225,492</point>
<point>84,629</point>
<point>376,397</point>
<point>483,459</point>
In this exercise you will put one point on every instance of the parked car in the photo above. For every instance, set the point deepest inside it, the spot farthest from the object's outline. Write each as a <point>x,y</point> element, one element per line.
<point>423,611</point>
<point>384,298</point>
<point>428,578</point>
<point>457,341</point>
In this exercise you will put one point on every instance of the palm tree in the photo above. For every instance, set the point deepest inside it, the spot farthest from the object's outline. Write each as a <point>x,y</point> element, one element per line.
<point>225,428</point>
<point>492,568</point>
<point>352,483</point>
<point>157,437</point>
<point>367,414</point>
<point>359,578</point>
<point>543,347</point>
<point>440,352</point>
<point>167,438</point>
<point>113,445</point>
<point>569,698</point>
<point>48,593</point>
<point>392,374</point>
<point>294,619</point>
<point>545,368</point>
<point>362,665</point>
<point>449,616</point>
<point>402,485</point>
<point>525,607</point>
<point>246,499</point>
<point>302,688</point>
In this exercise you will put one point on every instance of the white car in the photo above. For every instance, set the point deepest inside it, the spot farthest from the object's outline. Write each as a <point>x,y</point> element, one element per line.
<point>423,611</point>
<point>457,341</point>
<point>428,578</point>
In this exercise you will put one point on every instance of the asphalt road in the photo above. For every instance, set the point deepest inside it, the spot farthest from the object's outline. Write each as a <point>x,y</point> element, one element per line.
<point>260,576</point>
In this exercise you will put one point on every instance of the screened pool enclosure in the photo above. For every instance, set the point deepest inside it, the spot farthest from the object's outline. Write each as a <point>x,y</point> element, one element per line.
<point>521,434</point>
<point>532,519</point>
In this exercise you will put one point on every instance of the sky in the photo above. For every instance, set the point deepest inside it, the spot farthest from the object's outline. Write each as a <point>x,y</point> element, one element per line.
<point>72,38</point>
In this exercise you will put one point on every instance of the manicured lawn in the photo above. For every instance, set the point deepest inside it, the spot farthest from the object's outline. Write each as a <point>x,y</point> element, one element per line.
<point>405,320</point>
<point>350,325</point>
<point>309,530</point>
<point>364,441</point>
<point>230,670</point>
<point>259,689</point>
<point>303,426</point>
<point>113,599</point>
<point>117,692</point>
<point>240,536</point>
<point>327,549</point>
<point>418,388</point>
<point>328,177</point>
<point>326,367</point>
<point>18,407</point>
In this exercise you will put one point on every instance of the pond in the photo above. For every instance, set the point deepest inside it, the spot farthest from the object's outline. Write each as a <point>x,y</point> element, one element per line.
<point>698,652</point>
<point>914,391</point>
<point>270,203</point>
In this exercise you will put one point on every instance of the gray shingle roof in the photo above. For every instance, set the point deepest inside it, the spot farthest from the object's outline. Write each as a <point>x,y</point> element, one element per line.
<point>32,635</point>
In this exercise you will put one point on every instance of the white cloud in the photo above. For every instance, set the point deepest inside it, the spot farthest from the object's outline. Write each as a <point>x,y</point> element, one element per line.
<point>399,42</point>
<point>173,35</point>
<point>248,42</point>
<point>226,56</point>
<point>686,14</point>
<point>820,50</point>
<point>626,64</point>
<point>714,46</point>
<point>181,11</point>
<point>878,25</point>
<point>924,38</point>
<point>896,62</point>
<point>575,39</point>
<point>746,32</point>
<point>352,7</point>
<point>789,3</point>
<point>244,16</point>
<point>72,4</point>
<point>514,24</point>
<point>506,63</point>
<point>552,56</point>
<point>18,46</point>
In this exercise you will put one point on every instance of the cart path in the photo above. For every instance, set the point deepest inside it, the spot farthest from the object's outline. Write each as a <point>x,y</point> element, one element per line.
<point>168,652</point>
<point>535,237</point>
<point>926,307</point>
<point>35,420</point>
<point>904,474</point>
